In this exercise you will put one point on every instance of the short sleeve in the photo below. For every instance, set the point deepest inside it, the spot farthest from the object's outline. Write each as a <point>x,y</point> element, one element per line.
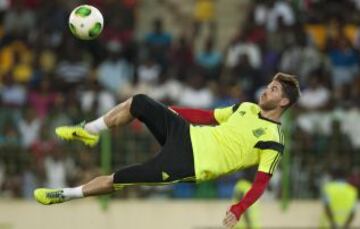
<point>222,114</point>
<point>270,155</point>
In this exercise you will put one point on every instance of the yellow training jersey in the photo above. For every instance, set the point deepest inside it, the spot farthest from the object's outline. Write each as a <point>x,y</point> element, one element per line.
<point>341,198</point>
<point>243,139</point>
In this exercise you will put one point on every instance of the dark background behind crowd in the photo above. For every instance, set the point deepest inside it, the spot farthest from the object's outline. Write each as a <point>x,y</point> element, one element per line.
<point>49,78</point>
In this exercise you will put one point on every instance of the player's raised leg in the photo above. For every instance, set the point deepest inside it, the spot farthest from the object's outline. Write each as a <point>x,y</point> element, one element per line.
<point>88,133</point>
<point>157,117</point>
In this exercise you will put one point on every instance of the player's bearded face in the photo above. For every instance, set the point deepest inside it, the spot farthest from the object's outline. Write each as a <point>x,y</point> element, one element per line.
<point>271,96</point>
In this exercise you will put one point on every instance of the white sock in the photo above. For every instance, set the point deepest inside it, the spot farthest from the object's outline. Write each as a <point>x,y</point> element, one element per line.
<point>73,193</point>
<point>96,126</point>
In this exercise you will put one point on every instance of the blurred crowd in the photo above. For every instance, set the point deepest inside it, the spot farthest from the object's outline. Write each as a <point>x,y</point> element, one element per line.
<point>49,78</point>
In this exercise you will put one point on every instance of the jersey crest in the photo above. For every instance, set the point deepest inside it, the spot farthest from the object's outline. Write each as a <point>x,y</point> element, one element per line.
<point>258,132</point>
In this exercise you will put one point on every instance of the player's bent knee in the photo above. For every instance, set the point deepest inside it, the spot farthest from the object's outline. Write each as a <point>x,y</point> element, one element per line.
<point>139,98</point>
<point>137,102</point>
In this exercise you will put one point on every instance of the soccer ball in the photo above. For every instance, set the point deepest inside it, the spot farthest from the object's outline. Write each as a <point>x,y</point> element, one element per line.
<point>86,22</point>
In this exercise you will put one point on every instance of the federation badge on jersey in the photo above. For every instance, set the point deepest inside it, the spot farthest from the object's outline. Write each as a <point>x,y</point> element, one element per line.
<point>258,132</point>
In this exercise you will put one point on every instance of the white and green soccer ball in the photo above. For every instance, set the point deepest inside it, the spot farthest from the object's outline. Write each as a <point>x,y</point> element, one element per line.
<point>86,22</point>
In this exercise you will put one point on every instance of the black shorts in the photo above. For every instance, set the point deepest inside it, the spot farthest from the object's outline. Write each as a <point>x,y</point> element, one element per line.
<point>175,161</point>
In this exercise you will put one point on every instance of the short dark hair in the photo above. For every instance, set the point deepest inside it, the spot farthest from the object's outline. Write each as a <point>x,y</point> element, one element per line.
<point>290,86</point>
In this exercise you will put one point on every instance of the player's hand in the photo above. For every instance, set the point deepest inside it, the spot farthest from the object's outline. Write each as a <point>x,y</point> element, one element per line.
<point>230,220</point>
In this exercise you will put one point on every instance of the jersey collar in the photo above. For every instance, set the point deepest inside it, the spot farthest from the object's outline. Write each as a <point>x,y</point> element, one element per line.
<point>269,120</point>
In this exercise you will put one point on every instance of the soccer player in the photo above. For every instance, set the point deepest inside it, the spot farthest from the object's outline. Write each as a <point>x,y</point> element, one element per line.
<point>339,201</point>
<point>229,139</point>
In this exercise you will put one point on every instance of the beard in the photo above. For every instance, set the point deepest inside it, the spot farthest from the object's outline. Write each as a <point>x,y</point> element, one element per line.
<point>268,105</point>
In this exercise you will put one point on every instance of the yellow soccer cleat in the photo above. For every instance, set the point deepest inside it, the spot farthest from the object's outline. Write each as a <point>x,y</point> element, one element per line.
<point>77,133</point>
<point>49,196</point>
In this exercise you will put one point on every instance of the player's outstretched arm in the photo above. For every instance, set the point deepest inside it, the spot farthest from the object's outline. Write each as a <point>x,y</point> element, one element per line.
<point>257,189</point>
<point>196,116</point>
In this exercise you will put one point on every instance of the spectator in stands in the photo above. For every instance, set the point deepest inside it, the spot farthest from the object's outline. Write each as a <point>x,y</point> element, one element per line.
<point>57,168</point>
<point>315,102</point>
<point>72,69</point>
<point>195,93</point>
<point>282,37</point>
<point>53,15</point>
<point>301,58</point>
<point>9,136</point>
<point>37,73</point>
<point>238,47</point>
<point>148,76</point>
<point>18,21</point>
<point>22,69</point>
<point>115,72</point>
<point>204,14</point>
<point>268,13</point>
<point>44,145</point>
<point>168,90</point>
<point>12,94</point>
<point>158,43</point>
<point>47,61</point>
<point>29,127</point>
<point>315,96</point>
<point>95,100</point>
<point>148,72</point>
<point>181,58</point>
<point>344,66</point>
<point>335,31</point>
<point>269,61</point>
<point>209,60</point>
<point>42,98</point>
<point>255,33</point>
<point>117,30</point>
<point>4,6</point>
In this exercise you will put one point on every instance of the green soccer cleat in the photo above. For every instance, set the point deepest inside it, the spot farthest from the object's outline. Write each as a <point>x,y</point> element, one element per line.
<point>77,132</point>
<point>49,196</point>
